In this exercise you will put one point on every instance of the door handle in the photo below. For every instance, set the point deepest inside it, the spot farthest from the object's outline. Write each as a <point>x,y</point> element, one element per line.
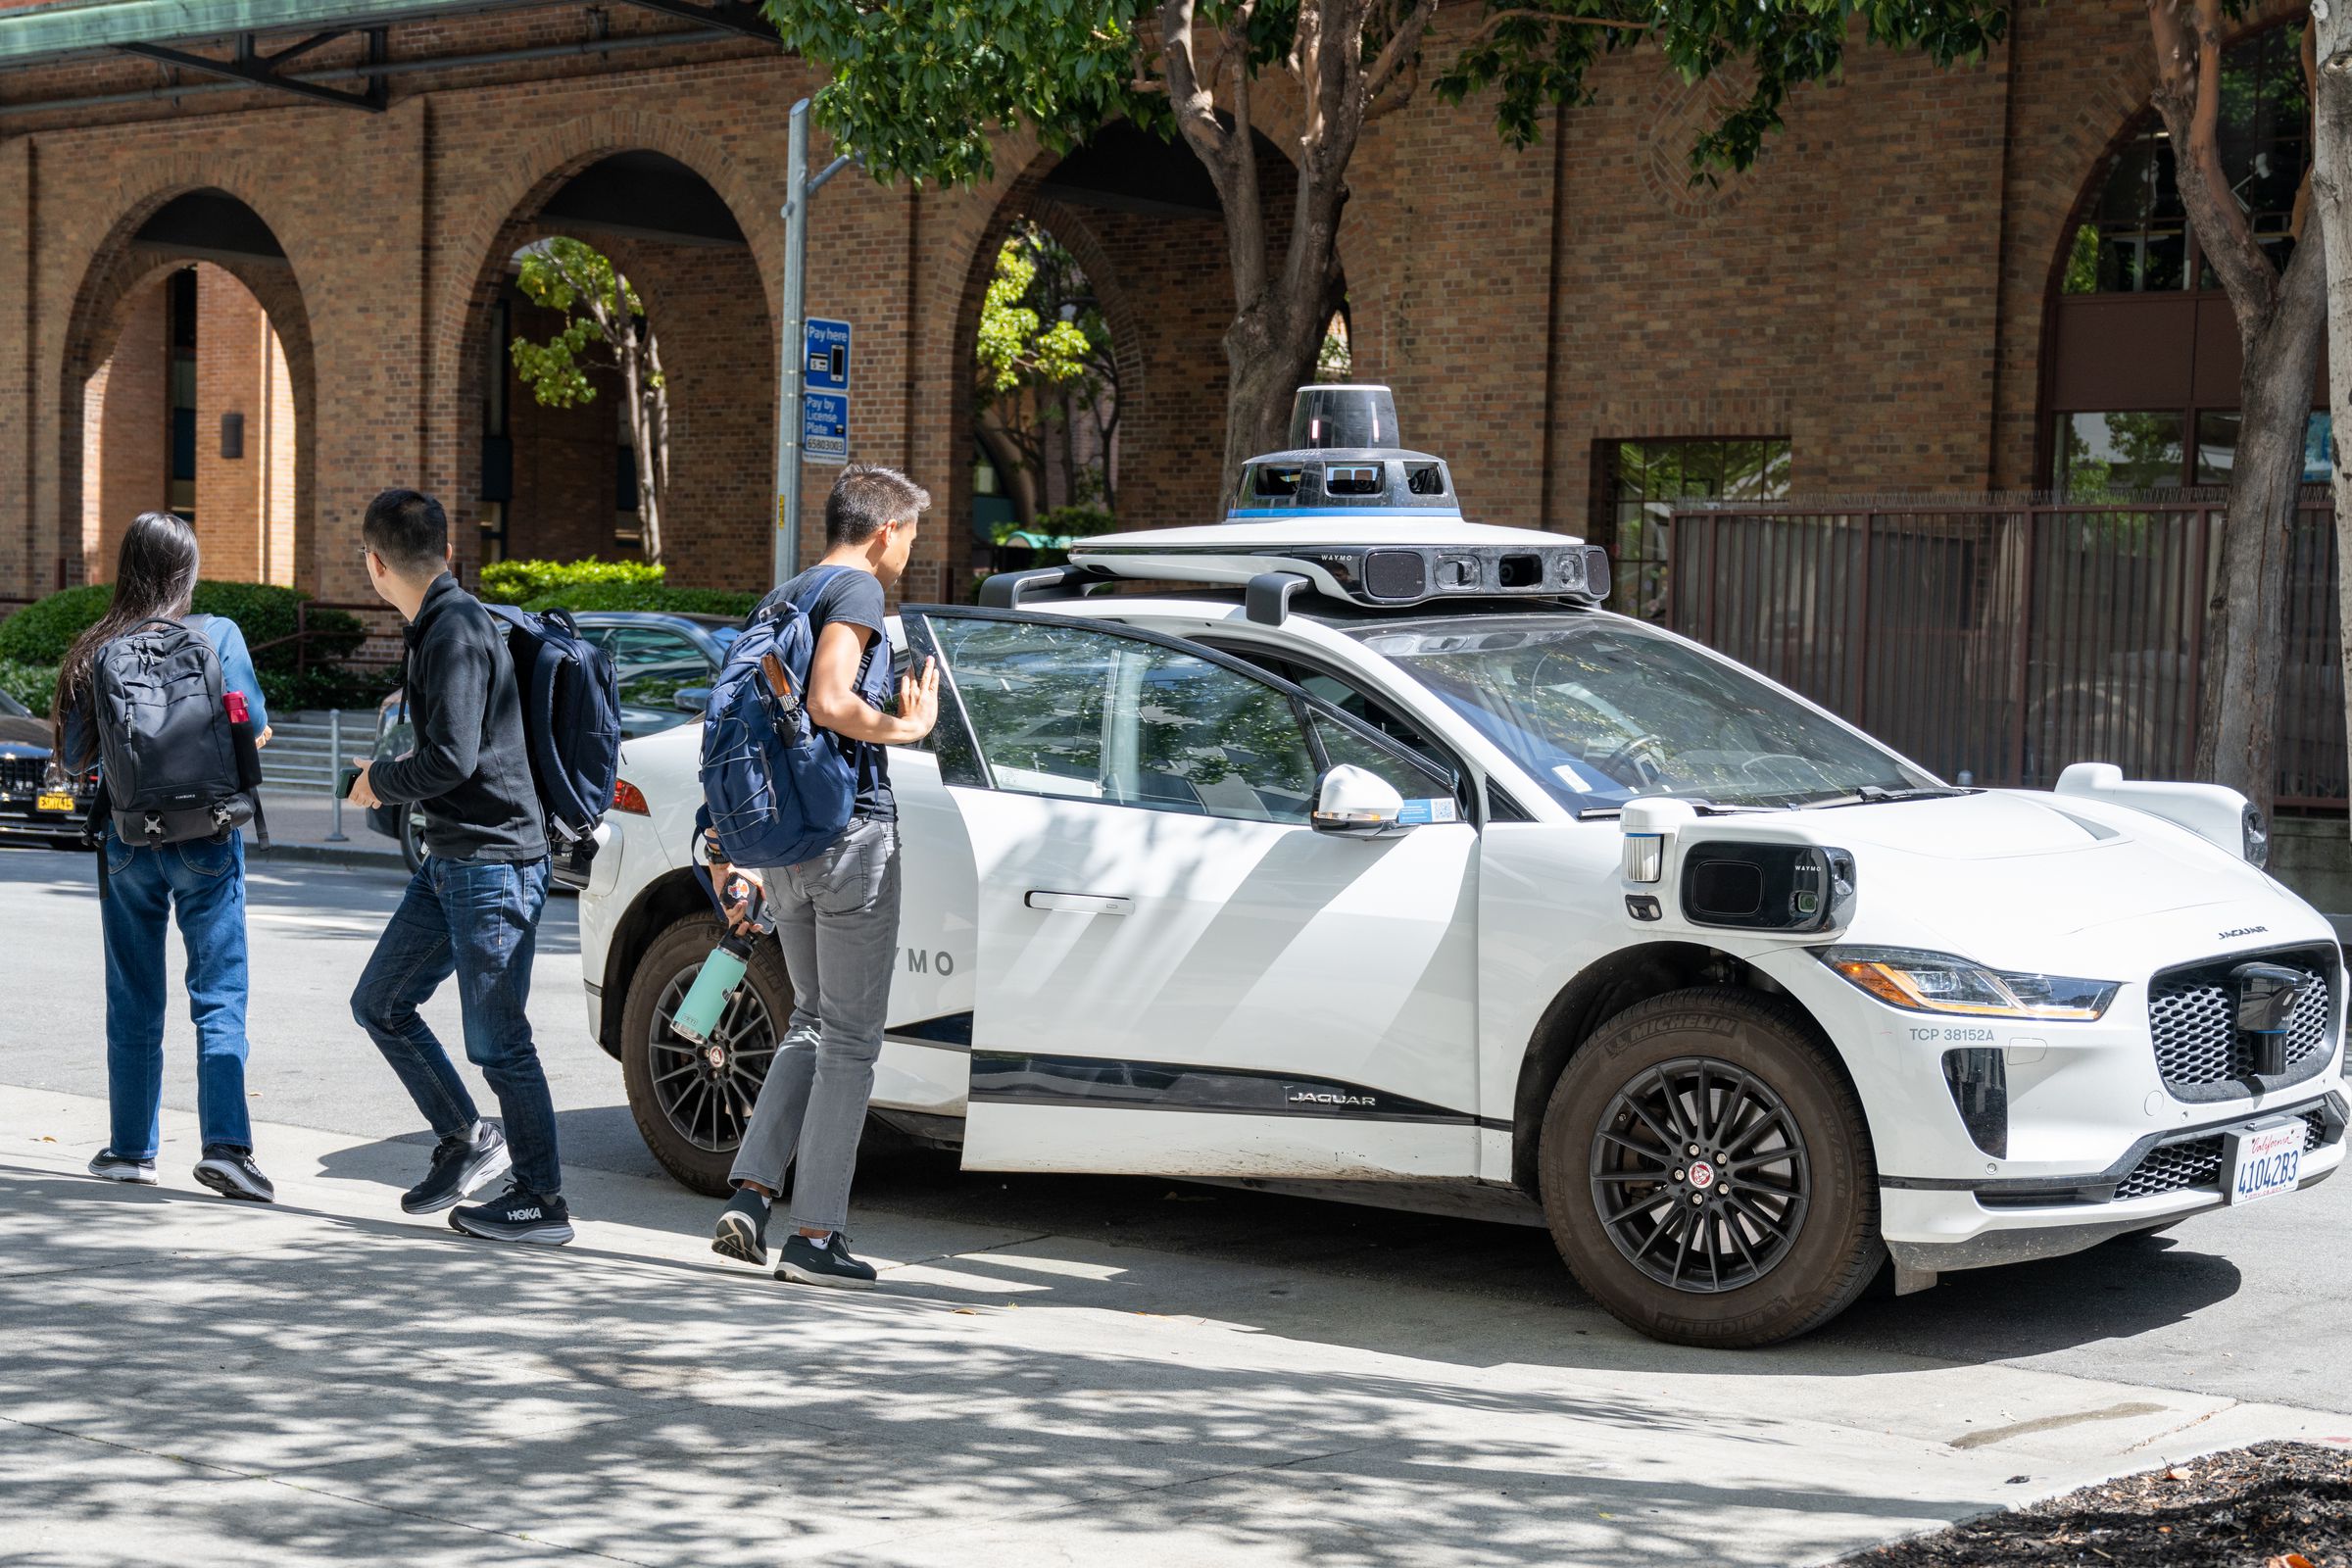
<point>1079,903</point>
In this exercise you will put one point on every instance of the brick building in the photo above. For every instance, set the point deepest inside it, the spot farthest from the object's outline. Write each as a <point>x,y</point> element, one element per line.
<point>1883,303</point>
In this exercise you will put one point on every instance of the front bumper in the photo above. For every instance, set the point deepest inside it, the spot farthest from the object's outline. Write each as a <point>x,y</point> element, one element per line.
<point>19,819</point>
<point>1932,1226</point>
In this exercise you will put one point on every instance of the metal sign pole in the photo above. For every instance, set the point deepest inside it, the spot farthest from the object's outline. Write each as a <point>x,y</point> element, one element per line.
<point>792,351</point>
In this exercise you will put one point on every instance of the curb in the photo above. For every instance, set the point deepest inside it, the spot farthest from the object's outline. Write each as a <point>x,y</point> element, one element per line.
<point>329,854</point>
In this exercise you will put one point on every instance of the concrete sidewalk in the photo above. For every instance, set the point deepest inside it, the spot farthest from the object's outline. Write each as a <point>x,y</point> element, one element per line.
<point>190,1381</point>
<point>299,827</point>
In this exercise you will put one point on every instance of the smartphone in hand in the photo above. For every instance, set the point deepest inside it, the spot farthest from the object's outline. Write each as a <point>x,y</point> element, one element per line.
<point>351,776</point>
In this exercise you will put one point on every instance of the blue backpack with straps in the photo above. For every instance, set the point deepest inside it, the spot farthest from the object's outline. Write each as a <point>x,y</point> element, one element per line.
<point>570,720</point>
<point>776,789</point>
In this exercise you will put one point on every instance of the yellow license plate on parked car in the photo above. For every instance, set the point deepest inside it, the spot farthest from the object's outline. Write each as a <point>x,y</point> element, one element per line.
<point>54,801</point>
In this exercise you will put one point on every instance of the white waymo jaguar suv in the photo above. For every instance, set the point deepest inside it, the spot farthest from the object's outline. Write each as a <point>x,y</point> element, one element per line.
<point>1365,854</point>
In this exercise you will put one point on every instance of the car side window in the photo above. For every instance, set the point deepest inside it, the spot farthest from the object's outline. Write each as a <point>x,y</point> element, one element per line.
<point>1074,711</point>
<point>651,664</point>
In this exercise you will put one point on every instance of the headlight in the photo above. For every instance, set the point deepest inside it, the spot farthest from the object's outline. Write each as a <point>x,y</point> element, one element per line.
<point>1938,982</point>
<point>2257,839</point>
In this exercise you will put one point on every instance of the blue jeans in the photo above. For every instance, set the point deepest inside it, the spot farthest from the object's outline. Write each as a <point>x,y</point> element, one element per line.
<point>205,883</point>
<point>479,920</point>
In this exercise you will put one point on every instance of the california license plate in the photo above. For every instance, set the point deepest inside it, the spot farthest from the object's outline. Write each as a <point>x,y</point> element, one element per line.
<point>53,801</point>
<point>2263,1162</point>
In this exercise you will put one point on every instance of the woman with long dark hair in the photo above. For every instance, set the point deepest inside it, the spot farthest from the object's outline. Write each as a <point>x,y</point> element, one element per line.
<point>202,881</point>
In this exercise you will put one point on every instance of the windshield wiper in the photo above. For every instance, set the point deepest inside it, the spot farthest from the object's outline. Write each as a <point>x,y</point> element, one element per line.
<point>1878,795</point>
<point>1601,814</point>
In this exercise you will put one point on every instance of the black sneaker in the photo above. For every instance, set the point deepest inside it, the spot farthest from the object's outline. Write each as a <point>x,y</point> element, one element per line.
<point>231,1172</point>
<point>463,1163</point>
<point>741,1229</point>
<point>109,1166</point>
<point>516,1215</point>
<point>830,1265</point>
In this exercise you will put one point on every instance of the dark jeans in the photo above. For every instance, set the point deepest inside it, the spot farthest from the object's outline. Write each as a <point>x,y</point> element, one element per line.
<point>205,884</point>
<point>479,920</point>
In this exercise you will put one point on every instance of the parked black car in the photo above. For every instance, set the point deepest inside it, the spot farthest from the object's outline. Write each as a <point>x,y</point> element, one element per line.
<point>24,774</point>
<point>664,664</point>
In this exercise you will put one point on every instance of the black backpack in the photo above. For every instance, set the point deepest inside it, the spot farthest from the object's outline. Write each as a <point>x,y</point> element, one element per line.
<point>175,765</point>
<point>572,719</point>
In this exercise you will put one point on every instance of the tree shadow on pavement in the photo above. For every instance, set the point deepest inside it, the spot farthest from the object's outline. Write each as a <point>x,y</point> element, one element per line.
<point>424,1396</point>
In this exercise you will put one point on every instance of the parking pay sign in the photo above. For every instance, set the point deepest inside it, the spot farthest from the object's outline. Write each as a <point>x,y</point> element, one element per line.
<point>825,400</point>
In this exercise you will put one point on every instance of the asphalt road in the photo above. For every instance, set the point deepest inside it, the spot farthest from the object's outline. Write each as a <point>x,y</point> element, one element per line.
<point>2250,1305</point>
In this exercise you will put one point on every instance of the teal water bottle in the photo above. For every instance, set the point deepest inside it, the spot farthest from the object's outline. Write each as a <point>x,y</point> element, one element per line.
<point>707,999</point>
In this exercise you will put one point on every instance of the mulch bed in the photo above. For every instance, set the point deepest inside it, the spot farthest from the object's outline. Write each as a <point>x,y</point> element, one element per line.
<point>2273,1505</point>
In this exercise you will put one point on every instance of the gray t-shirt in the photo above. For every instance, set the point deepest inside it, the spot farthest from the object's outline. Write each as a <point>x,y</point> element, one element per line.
<point>827,593</point>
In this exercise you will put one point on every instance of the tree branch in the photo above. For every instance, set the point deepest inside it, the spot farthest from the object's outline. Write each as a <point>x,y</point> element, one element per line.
<point>1195,105</point>
<point>2309,57</point>
<point>1404,47</point>
<point>2188,96</point>
<point>1496,18</point>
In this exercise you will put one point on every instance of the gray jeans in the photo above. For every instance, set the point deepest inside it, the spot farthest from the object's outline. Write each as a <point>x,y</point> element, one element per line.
<point>837,918</point>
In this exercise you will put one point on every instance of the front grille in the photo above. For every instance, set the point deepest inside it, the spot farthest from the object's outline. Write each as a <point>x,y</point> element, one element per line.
<point>2197,1162</point>
<point>2193,1021</point>
<point>22,775</point>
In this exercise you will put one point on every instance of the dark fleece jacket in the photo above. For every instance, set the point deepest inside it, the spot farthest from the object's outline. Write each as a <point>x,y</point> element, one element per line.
<point>470,768</point>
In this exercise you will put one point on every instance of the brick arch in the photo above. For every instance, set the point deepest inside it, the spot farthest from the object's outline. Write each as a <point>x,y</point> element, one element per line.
<point>118,272</point>
<point>2069,177</point>
<point>506,217</point>
<point>1167,424</point>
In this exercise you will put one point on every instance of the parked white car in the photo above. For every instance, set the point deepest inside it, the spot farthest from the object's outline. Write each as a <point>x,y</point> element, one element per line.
<point>1379,862</point>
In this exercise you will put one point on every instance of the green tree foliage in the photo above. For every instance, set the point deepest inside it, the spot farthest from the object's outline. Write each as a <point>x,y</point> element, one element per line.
<point>919,90</point>
<point>1043,364</point>
<point>603,329</point>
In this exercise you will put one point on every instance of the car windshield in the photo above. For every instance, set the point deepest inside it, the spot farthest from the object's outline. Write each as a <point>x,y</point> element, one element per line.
<point>12,708</point>
<point>1600,710</point>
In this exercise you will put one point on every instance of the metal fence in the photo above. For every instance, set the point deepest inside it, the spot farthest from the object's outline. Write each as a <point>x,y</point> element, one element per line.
<point>2004,641</point>
<point>308,751</point>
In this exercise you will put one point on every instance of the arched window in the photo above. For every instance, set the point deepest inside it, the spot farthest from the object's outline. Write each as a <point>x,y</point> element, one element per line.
<point>2139,386</point>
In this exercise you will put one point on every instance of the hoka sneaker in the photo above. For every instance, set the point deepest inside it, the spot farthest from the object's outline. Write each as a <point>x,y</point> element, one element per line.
<point>109,1166</point>
<point>516,1215</point>
<point>463,1163</point>
<point>231,1172</point>
<point>831,1264</point>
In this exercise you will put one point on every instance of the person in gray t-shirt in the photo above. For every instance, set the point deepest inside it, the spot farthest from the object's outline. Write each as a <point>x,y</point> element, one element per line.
<point>837,915</point>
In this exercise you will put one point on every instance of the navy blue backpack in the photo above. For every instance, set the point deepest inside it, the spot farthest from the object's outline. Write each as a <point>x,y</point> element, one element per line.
<point>571,718</point>
<point>777,790</point>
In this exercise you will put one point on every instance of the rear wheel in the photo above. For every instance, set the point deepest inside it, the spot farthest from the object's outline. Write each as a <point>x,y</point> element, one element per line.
<point>1708,1174</point>
<point>412,839</point>
<point>691,1103</point>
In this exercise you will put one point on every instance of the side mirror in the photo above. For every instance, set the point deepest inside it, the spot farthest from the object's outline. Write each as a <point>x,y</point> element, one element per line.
<point>693,699</point>
<point>1358,803</point>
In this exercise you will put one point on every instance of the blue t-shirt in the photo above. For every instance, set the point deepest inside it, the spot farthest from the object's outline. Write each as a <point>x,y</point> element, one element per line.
<point>827,593</point>
<point>236,676</point>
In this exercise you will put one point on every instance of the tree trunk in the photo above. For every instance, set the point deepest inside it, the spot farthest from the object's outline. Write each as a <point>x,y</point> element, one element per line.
<point>1012,468</point>
<point>2331,194</point>
<point>2279,322</point>
<point>2245,620</point>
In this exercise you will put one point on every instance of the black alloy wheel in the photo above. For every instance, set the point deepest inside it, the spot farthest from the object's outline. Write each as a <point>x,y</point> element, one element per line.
<point>1700,1175</point>
<point>692,1103</point>
<point>708,1090</point>
<point>1707,1173</point>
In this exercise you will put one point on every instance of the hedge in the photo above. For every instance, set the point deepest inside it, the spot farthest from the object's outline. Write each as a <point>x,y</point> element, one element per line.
<point>42,631</point>
<point>34,639</point>
<point>30,684</point>
<point>520,582</point>
<point>651,597</point>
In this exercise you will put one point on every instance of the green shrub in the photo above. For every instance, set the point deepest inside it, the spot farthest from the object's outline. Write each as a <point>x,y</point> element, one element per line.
<point>42,631</point>
<point>34,685</point>
<point>330,686</point>
<point>651,597</point>
<point>519,582</point>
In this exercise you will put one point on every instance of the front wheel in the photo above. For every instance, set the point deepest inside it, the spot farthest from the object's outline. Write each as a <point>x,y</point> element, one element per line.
<point>1708,1174</point>
<point>412,839</point>
<point>691,1103</point>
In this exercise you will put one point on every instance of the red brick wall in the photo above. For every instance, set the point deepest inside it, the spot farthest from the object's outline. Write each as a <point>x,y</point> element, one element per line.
<point>1874,291</point>
<point>232,353</point>
<point>126,411</point>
